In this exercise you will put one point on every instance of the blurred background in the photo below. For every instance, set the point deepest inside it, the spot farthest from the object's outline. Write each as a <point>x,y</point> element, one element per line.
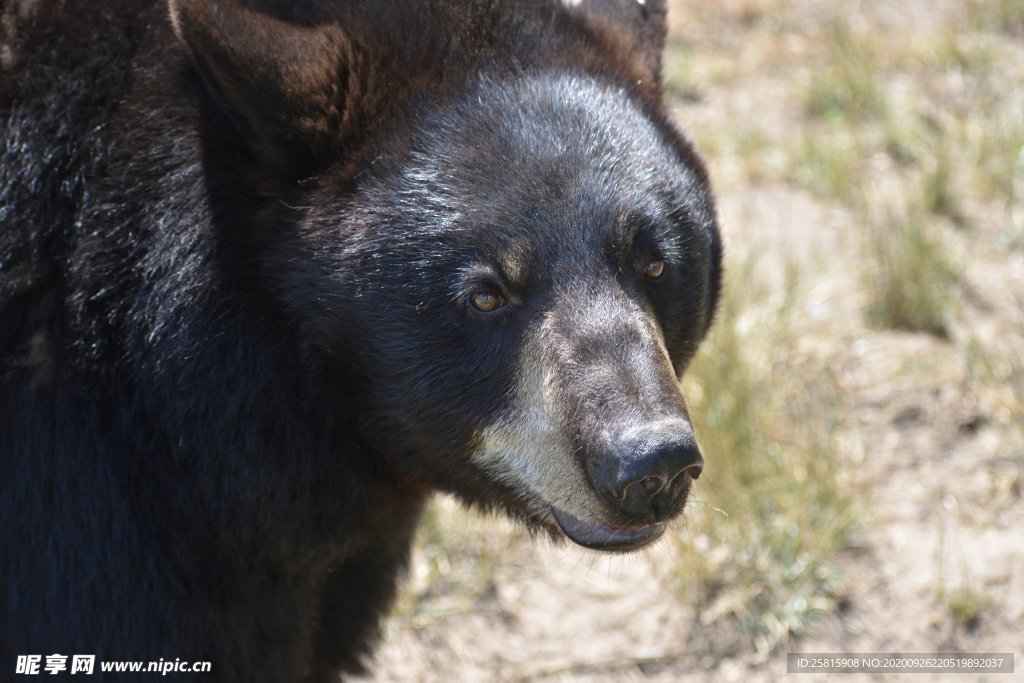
<point>860,403</point>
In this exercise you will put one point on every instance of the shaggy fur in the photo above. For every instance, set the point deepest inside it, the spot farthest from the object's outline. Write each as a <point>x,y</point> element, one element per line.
<point>243,250</point>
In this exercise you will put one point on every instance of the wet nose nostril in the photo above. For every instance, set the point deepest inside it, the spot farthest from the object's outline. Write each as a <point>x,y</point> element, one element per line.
<point>693,471</point>
<point>651,468</point>
<point>652,485</point>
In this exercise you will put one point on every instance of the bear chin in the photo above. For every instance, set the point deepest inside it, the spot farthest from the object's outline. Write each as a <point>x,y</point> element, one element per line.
<point>604,537</point>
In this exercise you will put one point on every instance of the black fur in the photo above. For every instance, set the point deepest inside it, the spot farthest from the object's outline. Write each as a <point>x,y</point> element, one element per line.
<point>236,353</point>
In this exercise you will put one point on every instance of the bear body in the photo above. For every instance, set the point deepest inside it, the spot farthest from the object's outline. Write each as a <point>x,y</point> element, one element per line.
<point>272,272</point>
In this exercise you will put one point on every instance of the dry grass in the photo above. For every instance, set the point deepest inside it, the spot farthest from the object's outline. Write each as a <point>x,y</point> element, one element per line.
<point>773,508</point>
<point>922,143</point>
<point>909,273</point>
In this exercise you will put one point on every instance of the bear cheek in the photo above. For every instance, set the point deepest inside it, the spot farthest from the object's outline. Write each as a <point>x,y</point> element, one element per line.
<point>528,449</point>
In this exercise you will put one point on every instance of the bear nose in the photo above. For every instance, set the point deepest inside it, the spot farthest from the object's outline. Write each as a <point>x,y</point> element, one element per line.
<point>654,463</point>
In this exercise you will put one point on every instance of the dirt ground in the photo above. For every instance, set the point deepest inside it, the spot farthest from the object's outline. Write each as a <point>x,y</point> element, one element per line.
<point>936,562</point>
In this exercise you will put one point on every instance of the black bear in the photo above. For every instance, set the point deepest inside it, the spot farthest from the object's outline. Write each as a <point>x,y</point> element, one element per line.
<point>272,271</point>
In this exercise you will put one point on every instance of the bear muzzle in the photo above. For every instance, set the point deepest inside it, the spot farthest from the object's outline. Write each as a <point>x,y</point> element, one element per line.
<point>648,469</point>
<point>643,478</point>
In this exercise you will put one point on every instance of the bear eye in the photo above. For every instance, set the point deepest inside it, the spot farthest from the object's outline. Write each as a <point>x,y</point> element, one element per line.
<point>486,301</point>
<point>652,268</point>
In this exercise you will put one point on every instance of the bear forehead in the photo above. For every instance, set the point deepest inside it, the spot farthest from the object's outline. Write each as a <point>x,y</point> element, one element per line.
<point>542,119</point>
<point>547,155</point>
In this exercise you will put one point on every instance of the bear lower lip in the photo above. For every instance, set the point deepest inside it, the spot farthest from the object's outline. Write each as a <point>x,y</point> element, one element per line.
<point>597,536</point>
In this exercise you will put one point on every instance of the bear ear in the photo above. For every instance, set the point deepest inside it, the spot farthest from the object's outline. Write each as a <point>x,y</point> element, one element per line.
<point>639,26</point>
<point>293,85</point>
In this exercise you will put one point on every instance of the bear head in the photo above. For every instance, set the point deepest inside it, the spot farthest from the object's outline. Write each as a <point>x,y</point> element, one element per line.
<point>495,239</point>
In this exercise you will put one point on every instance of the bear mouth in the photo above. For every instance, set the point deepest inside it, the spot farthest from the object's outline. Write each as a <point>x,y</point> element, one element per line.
<point>598,536</point>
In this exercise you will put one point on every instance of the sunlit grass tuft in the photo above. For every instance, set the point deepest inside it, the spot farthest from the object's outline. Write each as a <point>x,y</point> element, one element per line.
<point>942,187</point>
<point>1004,16</point>
<point>996,369</point>
<point>847,86</point>
<point>910,274</point>
<point>829,164</point>
<point>966,607</point>
<point>677,74</point>
<point>998,156</point>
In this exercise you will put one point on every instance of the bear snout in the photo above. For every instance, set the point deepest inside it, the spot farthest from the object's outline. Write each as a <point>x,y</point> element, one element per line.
<point>645,473</point>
